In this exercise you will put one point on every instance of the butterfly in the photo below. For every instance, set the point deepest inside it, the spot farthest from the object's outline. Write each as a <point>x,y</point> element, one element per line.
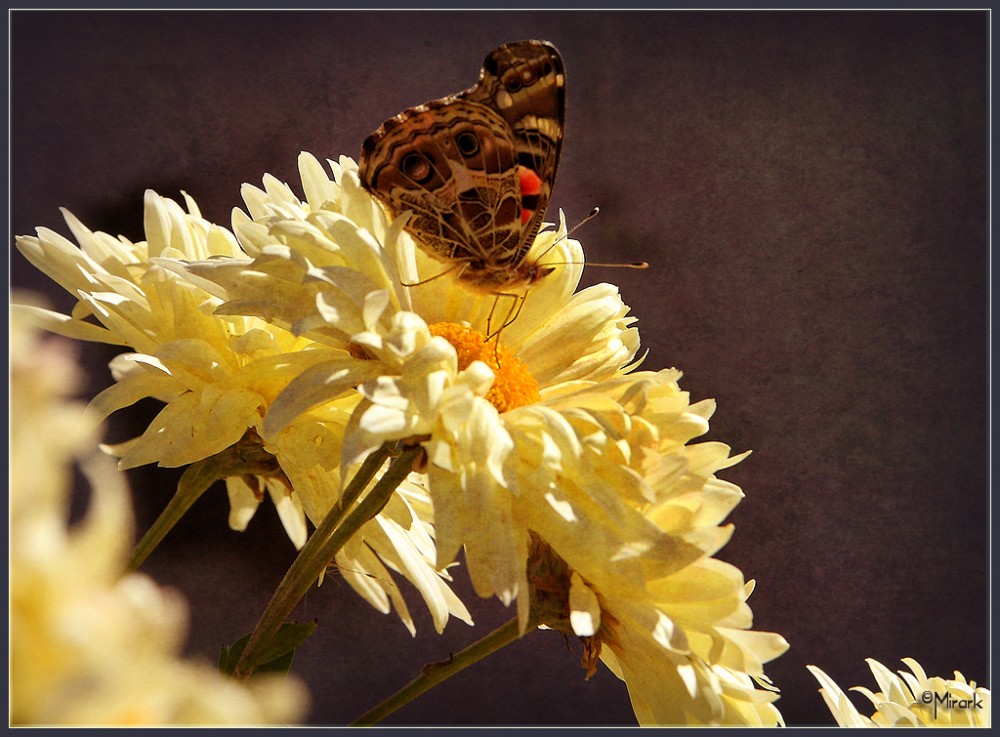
<point>476,168</point>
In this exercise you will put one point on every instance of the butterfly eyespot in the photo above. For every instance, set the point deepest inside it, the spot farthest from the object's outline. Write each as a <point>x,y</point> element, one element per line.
<point>512,83</point>
<point>547,69</point>
<point>416,167</point>
<point>468,143</point>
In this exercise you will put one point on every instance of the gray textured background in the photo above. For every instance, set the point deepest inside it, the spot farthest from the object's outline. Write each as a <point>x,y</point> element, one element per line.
<point>810,189</point>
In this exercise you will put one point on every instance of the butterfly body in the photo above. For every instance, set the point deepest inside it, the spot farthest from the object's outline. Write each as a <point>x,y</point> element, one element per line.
<point>476,169</point>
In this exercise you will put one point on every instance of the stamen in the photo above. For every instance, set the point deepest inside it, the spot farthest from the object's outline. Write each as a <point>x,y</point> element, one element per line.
<point>514,385</point>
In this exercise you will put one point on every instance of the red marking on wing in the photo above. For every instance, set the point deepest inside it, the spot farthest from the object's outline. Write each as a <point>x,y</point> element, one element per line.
<point>531,184</point>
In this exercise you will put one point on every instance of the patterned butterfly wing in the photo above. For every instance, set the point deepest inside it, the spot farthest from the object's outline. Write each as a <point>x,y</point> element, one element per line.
<point>476,168</point>
<point>525,82</point>
<point>454,164</point>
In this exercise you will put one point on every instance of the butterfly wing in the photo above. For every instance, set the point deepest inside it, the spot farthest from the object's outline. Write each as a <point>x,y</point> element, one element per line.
<point>454,164</point>
<point>476,168</point>
<point>525,82</point>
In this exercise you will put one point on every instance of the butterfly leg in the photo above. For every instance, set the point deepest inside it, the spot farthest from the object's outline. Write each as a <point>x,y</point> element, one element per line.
<point>460,266</point>
<point>512,314</point>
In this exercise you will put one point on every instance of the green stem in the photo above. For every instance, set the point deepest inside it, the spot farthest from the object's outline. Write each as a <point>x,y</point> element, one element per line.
<point>245,458</point>
<point>435,673</point>
<point>345,519</point>
<point>195,481</point>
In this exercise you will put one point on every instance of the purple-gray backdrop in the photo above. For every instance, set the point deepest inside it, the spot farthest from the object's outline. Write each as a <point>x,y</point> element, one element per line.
<point>810,189</point>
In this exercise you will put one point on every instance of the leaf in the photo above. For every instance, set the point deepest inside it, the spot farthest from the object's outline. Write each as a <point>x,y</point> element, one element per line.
<point>276,657</point>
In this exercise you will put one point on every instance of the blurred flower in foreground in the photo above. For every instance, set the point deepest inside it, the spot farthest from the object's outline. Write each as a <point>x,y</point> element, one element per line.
<point>565,476</point>
<point>909,699</point>
<point>217,377</point>
<point>88,644</point>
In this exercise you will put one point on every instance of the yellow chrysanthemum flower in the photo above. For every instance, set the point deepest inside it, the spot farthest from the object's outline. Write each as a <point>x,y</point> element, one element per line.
<point>909,699</point>
<point>545,442</point>
<point>88,644</point>
<point>217,376</point>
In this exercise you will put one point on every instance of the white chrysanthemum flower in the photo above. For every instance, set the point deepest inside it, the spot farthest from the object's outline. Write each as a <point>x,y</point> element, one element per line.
<point>334,270</point>
<point>909,699</point>
<point>88,644</point>
<point>213,374</point>
<point>643,590</point>
<point>217,376</point>
<point>545,437</point>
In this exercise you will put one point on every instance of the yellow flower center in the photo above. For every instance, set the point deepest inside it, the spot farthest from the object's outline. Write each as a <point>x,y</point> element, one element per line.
<point>514,385</point>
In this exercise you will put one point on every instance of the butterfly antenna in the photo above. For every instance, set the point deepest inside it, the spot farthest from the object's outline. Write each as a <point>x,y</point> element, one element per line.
<point>628,265</point>
<point>593,214</point>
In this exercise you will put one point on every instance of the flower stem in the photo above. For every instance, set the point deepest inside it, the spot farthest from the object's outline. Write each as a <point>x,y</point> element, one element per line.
<point>246,457</point>
<point>194,482</point>
<point>434,673</point>
<point>345,519</point>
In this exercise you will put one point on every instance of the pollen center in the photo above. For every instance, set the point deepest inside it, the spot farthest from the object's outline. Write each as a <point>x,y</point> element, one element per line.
<point>514,385</point>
